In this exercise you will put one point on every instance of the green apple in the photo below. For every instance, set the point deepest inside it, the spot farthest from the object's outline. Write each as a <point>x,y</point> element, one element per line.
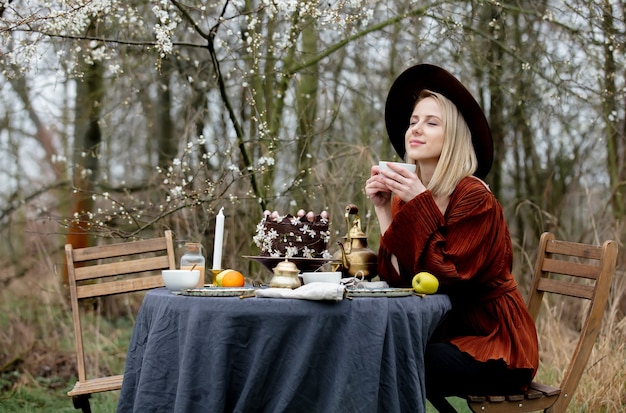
<point>425,283</point>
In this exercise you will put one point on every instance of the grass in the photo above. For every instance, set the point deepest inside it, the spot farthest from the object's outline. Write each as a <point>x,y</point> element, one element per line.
<point>37,360</point>
<point>38,367</point>
<point>27,399</point>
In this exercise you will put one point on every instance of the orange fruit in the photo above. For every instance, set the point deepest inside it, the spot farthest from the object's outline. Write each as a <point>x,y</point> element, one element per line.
<point>230,278</point>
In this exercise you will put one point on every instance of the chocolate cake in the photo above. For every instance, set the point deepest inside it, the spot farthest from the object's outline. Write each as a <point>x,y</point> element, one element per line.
<point>304,235</point>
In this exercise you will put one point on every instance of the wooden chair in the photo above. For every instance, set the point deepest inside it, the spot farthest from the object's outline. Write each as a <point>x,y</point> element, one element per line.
<point>559,269</point>
<point>107,270</point>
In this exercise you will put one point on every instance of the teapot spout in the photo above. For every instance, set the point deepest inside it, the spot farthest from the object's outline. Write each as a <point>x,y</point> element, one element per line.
<point>344,258</point>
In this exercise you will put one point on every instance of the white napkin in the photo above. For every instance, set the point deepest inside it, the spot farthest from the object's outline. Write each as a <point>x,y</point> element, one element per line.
<point>311,291</point>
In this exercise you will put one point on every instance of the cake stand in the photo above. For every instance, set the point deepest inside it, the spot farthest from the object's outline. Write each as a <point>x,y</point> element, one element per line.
<point>303,264</point>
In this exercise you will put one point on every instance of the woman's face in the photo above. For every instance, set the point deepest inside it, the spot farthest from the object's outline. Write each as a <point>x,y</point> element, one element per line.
<point>424,138</point>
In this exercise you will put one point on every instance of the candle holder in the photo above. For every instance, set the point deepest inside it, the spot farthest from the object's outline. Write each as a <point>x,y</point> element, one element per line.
<point>214,276</point>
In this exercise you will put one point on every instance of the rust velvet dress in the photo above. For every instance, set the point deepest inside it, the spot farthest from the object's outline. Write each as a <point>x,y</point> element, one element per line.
<point>469,251</point>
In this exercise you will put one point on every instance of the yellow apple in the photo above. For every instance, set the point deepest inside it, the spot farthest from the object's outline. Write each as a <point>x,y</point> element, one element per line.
<point>425,283</point>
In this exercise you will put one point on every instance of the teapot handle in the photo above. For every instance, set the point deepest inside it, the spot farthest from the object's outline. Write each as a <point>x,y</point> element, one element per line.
<point>351,209</point>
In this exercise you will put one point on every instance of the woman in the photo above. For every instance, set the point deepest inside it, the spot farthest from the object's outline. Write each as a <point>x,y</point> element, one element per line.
<point>443,219</point>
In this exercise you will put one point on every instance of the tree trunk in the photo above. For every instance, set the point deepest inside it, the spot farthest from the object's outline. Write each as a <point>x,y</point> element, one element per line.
<point>167,144</point>
<point>87,140</point>
<point>307,112</point>
<point>609,110</point>
<point>497,107</point>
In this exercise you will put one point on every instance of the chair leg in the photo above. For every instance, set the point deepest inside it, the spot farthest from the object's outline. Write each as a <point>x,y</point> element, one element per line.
<point>82,402</point>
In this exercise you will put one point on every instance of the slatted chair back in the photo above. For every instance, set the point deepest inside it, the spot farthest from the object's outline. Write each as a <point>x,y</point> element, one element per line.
<point>568,269</point>
<point>109,270</point>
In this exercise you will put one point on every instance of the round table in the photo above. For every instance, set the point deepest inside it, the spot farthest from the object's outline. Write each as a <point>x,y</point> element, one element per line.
<point>226,354</point>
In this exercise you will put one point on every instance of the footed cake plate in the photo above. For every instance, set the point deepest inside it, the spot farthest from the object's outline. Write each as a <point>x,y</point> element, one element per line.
<point>303,264</point>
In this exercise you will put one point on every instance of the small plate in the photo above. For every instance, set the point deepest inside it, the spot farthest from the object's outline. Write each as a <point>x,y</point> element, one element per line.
<point>217,291</point>
<point>380,292</point>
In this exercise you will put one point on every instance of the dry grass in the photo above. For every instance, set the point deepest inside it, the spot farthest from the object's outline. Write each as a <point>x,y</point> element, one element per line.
<point>602,387</point>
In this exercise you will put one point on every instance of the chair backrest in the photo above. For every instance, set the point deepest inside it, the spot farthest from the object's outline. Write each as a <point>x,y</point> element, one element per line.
<point>575,270</point>
<point>114,269</point>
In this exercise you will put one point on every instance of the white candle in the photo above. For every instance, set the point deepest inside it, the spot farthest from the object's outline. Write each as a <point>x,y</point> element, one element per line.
<point>219,240</point>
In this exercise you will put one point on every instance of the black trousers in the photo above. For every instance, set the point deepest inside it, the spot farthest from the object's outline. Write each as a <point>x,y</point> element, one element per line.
<point>450,372</point>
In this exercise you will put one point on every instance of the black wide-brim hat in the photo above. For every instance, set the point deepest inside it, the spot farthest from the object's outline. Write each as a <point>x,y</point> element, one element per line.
<point>404,93</point>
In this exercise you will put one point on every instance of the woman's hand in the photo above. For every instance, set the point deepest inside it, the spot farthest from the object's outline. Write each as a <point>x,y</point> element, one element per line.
<point>376,189</point>
<point>406,185</point>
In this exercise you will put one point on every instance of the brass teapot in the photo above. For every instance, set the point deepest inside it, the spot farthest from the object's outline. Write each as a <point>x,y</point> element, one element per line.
<point>354,258</point>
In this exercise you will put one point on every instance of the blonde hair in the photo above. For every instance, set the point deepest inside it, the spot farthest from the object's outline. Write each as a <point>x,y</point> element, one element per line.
<point>458,157</point>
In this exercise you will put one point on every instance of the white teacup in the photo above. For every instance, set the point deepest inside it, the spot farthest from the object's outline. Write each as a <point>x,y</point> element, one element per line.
<point>382,165</point>
<point>323,277</point>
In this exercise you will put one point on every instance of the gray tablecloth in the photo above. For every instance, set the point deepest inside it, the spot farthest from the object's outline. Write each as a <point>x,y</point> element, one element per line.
<point>200,354</point>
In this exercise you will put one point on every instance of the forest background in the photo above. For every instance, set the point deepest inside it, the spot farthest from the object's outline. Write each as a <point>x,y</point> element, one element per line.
<point>120,119</point>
